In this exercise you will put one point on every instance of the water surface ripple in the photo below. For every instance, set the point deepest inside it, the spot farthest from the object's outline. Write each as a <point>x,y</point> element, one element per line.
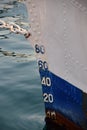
<point>21,104</point>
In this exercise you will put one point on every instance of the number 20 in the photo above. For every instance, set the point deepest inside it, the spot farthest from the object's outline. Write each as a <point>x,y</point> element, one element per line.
<point>48,98</point>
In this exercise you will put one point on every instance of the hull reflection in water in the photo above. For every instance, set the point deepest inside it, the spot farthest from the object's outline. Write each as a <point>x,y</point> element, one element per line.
<point>59,29</point>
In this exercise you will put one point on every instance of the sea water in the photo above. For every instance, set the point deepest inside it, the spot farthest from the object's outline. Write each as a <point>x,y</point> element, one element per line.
<point>21,103</point>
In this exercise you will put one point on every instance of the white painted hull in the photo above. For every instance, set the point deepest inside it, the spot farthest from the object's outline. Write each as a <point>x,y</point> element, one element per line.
<point>63,33</point>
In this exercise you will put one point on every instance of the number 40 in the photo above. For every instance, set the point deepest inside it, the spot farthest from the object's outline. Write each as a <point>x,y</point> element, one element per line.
<point>46,81</point>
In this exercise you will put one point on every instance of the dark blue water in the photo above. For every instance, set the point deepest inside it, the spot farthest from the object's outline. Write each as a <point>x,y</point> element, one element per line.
<point>21,103</point>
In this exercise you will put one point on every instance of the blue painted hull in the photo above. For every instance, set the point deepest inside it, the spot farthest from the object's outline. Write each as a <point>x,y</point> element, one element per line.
<point>64,98</point>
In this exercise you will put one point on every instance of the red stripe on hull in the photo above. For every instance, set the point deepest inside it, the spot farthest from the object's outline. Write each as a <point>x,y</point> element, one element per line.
<point>58,119</point>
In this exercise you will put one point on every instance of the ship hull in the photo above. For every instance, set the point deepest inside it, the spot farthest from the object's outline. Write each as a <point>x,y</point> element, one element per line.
<point>64,102</point>
<point>59,29</point>
<point>60,122</point>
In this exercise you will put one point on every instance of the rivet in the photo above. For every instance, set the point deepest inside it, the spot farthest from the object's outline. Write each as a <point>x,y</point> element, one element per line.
<point>77,62</point>
<point>36,39</point>
<point>79,6</point>
<point>72,58</point>
<point>29,1</point>
<point>34,29</point>
<point>76,3</point>
<point>66,57</point>
<point>37,24</point>
<point>35,15</point>
<point>32,20</point>
<point>64,4</point>
<point>64,12</point>
<point>65,35</point>
<point>39,33</point>
<point>69,55</point>
<point>67,72</point>
<point>33,5</point>
<point>65,50</point>
<point>31,11</point>
<point>65,28</point>
<point>64,20</point>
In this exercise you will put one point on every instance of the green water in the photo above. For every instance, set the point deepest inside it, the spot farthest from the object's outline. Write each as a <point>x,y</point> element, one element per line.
<point>21,103</point>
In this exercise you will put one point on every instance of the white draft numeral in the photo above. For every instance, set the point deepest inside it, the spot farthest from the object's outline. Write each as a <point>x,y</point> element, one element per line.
<point>46,81</point>
<point>48,98</point>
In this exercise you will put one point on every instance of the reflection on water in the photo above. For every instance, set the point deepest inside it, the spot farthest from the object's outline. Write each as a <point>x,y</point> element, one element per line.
<point>21,104</point>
